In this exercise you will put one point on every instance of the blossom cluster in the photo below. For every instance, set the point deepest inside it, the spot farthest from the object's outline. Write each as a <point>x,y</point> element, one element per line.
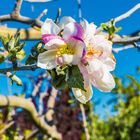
<point>70,43</point>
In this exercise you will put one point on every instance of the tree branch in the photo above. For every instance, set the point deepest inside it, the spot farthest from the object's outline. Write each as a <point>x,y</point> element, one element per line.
<point>123,16</point>
<point>15,101</point>
<point>7,126</point>
<point>39,0</point>
<point>17,7</point>
<point>84,122</point>
<point>126,40</point>
<point>22,19</point>
<point>25,34</point>
<point>128,13</point>
<point>30,67</point>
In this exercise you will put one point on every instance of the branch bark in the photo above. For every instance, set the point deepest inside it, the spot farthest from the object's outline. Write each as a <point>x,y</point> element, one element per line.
<point>14,101</point>
<point>126,40</point>
<point>85,122</point>
<point>25,34</point>
<point>30,67</point>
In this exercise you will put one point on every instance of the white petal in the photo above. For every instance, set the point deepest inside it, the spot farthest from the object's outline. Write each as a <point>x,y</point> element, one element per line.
<point>83,96</point>
<point>67,58</point>
<point>85,74</point>
<point>99,42</point>
<point>54,44</point>
<point>49,27</point>
<point>65,20</point>
<point>106,83</point>
<point>47,60</point>
<point>109,63</point>
<point>73,30</point>
<point>78,47</point>
<point>89,29</point>
<point>95,67</point>
<point>100,76</point>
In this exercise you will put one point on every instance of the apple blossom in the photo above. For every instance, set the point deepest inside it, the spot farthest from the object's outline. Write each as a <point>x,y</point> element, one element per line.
<point>70,43</point>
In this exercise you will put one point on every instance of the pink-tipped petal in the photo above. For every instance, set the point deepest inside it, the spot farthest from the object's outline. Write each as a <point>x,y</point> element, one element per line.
<point>73,30</point>
<point>54,43</point>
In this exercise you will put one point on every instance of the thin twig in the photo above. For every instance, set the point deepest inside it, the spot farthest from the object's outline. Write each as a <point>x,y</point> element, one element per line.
<point>58,15</point>
<point>30,67</point>
<point>79,9</point>
<point>17,7</point>
<point>44,12</point>
<point>22,19</point>
<point>7,126</point>
<point>84,122</point>
<point>51,105</point>
<point>117,50</point>
<point>123,16</point>
<point>128,13</point>
<point>126,40</point>
<point>30,136</point>
<point>39,0</point>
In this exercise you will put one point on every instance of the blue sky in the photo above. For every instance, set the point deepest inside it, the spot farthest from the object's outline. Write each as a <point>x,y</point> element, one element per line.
<point>97,11</point>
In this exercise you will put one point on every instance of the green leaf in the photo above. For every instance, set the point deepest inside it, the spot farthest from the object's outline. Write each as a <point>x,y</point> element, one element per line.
<point>2,58</point>
<point>58,81</point>
<point>74,78</point>
<point>32,59</point>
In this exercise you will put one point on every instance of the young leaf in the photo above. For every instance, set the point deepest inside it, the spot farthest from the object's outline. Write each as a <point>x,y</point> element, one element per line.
<point>58,81</point>
<point>74,78</point>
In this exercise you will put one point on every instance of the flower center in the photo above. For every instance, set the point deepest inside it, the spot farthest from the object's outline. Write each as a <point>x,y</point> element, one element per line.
<point>65,49</point>
<point>91,51</point>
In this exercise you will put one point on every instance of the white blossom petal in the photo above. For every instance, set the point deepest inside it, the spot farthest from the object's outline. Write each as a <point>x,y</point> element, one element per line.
<point>78,47</point>
<point>100,76</point>
<point>73,30</point>
<point>83,96</point>
<point>47,59</point>
<point>49,27</point>
<point>67,58</point>
<point>54,44</point>
<point>106,83</point>
<point>109,63</point>
<point>65,20</point>
<point>89,29</point>
<point>99,42</point>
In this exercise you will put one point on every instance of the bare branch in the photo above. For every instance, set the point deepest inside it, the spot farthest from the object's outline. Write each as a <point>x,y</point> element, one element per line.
<point>123,16</point>
<point>117,50</point>
<point>39,0</point>
<point>44,12</point>
<point>79,9</point>
<point>7,126</point>
<point>15,101</point>
<point>28,67</point>
<point>17,7</point>
<point>22,19</point>
<point>84,122</point>
<point>126,40</point>
<point>128,13</point>
<point>51,105</point>
<point>25,34</point>
<point>58,15</point>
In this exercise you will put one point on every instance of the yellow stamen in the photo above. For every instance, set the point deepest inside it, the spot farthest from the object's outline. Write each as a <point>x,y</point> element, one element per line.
<point>65,49</point>
<point>91,51</point>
